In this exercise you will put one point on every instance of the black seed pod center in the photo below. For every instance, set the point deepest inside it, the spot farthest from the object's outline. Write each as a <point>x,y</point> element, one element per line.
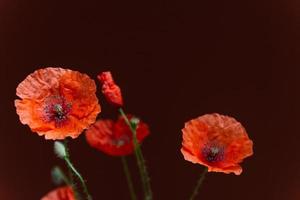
<point>56,109</point>
<point>213,153</point>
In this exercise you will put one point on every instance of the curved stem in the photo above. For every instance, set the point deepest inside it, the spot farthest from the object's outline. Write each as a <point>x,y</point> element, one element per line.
<point>76,173</point>
<point>128,178</point>
<point>71,173</point>
<point>199,183</point>
<point>139,158</point>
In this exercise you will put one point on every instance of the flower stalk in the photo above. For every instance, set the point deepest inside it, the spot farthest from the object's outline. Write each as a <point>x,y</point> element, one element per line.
<point>139,157</point>
<point>63,152</point>
<point>199,183</point>
<point>128,178</point>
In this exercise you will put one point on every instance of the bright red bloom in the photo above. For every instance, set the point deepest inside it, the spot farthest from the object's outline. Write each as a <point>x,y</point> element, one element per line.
<point>57,103</point>
<point>62,193</point>
<point>216,141</point>
<point>110,89</point>
<point>115,138</point>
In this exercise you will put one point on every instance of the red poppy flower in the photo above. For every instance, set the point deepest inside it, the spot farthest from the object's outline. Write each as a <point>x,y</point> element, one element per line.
<point>63,193</point>
<point>115,138</point>
<point>57,102</point>
<point>111,91</point>
<point>216,141</point>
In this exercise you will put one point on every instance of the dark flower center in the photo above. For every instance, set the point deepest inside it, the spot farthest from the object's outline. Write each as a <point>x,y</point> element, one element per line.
<point>123,140</point>
<point>56,109</point>
<point>213,153</point>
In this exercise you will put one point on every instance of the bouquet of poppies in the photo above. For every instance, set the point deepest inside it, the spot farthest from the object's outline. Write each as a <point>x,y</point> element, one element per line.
<point>61,103</point>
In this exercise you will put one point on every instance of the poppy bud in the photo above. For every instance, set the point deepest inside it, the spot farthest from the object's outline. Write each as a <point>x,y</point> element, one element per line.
<point>111,91</point>
<point>60,150</point>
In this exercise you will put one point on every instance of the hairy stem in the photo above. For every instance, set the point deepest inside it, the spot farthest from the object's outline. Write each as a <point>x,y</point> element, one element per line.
<point>128,178</point>
<point>199,183</point>
<point>77,174</point>
<point>139,158</point>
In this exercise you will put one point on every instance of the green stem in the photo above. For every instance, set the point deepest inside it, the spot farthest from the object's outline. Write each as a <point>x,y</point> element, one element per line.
<point>71,174</point>
<point>66,180</point>
<point>199,183</point>
<point>128,177</point>
<point>77,174</point>
<point>139,158</point>
<point>145,174</point>
<point>73,184</point>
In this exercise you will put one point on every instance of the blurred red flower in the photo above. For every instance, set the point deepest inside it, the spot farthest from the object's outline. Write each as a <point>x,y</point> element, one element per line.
<point>216,141</point>
<point>62,193</point>
<point>115,138</point>
<point>57,102</point>
<point>110,89</point>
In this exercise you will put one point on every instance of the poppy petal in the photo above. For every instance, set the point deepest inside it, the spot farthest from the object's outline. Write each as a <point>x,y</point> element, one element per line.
<point>216,141</point>
<point>57,103</point>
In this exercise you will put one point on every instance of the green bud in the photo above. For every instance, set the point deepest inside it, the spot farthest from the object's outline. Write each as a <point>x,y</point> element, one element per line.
<point>57,175</point>
<point>60,150</point>
<point>134,122</point>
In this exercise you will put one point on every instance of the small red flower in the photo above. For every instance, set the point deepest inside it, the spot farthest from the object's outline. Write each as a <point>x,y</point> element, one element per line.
<point>110,89</point>
<point>115,138</point>
<point>216,141</point>
<point>62,193</point>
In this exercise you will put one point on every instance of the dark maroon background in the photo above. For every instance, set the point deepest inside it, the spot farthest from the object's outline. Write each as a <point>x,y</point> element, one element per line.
<point>174,61</point>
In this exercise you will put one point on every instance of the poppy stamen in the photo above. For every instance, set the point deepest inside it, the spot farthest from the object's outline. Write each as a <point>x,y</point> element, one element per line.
<point>123,140</point>
<point>57,110</point>
<point>213,153</point>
